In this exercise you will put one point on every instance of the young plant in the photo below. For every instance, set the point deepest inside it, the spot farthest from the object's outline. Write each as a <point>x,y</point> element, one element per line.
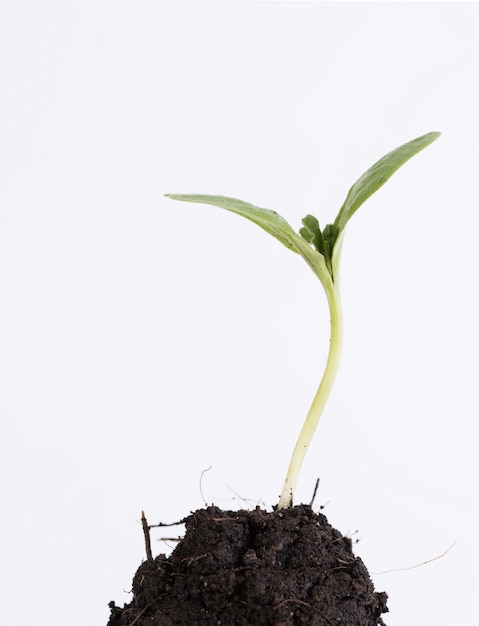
<point>321,249</point>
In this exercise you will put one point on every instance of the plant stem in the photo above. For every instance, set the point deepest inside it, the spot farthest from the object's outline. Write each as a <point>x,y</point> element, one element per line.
<point>320,399</point>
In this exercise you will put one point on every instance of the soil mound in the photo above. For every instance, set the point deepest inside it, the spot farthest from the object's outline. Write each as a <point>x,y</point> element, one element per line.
<point>254,568</point>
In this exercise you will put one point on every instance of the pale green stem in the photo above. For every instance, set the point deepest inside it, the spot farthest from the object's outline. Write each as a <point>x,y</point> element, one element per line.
<point>319,401</point>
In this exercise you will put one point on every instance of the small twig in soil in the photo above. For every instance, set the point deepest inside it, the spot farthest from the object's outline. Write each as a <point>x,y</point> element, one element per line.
<point>295,600</point>
<point>146,532</point>
<point>403,569</point>
<point>140,614</point>
<point>314,492</point>
<point>163,524</point>
<point>195,558</point>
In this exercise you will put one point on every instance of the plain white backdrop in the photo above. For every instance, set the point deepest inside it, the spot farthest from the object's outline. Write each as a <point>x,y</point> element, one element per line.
<point>143,340</point>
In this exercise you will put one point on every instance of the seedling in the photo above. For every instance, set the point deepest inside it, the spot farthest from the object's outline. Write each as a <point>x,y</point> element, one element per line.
<point>321,249</point>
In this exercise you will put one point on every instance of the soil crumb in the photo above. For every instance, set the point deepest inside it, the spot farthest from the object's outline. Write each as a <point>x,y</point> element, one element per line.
<point>254,568</point>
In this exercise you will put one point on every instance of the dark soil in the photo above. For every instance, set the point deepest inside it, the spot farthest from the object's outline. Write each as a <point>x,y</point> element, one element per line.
<point>253,568</point>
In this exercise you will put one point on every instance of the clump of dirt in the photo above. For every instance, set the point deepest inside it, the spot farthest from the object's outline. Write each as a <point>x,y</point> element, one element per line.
<point>254,568</point>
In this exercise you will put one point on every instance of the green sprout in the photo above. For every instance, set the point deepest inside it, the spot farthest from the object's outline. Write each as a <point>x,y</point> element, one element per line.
<point>321,249</point>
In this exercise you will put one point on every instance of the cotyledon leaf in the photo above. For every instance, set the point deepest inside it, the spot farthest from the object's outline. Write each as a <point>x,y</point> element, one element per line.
<point>378,174</point>
<point>271,222</point>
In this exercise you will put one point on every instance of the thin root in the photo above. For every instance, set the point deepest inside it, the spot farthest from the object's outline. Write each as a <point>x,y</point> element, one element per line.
<point>403,569</point>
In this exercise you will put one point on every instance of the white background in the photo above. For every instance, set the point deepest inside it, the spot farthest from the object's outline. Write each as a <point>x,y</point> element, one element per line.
<point>143,340</point>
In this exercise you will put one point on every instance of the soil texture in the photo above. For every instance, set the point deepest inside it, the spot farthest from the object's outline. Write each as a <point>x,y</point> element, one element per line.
<point>254,568</point>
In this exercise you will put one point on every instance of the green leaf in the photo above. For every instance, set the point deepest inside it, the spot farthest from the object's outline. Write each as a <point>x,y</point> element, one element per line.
<point>377,175</point>
<point>272,223</point>
<point>269,220</point>
<point>311,226</point>
<point>330,235</point>
<point>306,234</point>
